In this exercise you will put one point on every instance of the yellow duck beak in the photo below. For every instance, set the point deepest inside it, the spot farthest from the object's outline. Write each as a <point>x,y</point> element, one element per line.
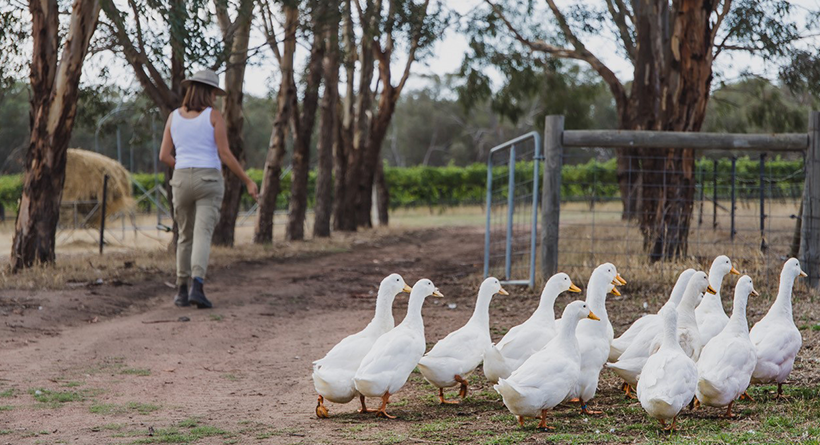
<point>436,293</point>
<point>592,316</point>
<point>618,281</point>
<point>574,288</point>
<point>407,289</point>
<point>503,292</point>
<point>754,293</point>
<point>803,274</point>
<point>711,290</point>
<point>615,292</point>
<point>734,271</point>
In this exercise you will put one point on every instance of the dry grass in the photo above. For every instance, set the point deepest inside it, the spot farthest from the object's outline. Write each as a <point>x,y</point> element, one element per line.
<point>137,264</point>
<point>590,238</point>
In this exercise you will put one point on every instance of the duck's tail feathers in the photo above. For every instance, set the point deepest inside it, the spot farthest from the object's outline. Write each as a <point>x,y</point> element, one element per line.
<point>495,365</point>
<point>506,390</point>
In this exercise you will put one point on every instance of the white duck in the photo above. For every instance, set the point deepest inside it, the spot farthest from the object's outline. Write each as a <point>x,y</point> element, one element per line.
<point>710,314</point>
<point>594,338</point>
<point>668,380</point>
<point>333,374</point>
<point>545,379</point>
<point>632,361</point>
<point>529,337</point>
<point>620,344</point>
<point>776,338</point>
<point>385,369</point>
<point>457,355</point>
<point>728,360</point>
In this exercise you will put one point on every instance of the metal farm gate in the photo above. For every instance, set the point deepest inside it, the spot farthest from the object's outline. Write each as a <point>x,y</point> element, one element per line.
<point>513,177</point>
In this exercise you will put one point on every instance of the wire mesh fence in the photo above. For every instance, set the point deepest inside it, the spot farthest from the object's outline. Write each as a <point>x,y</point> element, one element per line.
<point>513,172</point>
<point>744,207</point>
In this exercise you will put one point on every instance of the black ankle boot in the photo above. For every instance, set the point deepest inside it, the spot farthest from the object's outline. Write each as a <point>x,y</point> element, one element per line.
<point>197,295</point>
<point>181,298</point>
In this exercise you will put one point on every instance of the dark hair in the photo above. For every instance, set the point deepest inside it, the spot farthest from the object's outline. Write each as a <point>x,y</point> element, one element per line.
<point>198,97</point>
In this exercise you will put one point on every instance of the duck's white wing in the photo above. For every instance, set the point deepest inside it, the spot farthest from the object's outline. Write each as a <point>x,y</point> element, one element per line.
<point>351,349</point>
<point>620,344</point>
<point>726,359</point>
<point>670,377</point>
<point>394,353</point>
<point>527,343</point>
<point>512,334</point>
<point>776,346</point>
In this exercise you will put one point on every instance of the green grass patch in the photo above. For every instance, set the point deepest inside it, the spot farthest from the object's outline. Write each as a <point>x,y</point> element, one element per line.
<point>136,371</point>
<point>5,432</point>
<point>509,438</point>
<point>72,384</point>
<point>216,317</point>
<point>130,407</point>
<point>230,377</point>
<point>6,407</point>
<point>7,393</point>
<point>53,398</point>
<point>186,431</point>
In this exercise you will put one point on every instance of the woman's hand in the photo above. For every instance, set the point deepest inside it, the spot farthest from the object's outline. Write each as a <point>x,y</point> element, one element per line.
<point>253,190</point>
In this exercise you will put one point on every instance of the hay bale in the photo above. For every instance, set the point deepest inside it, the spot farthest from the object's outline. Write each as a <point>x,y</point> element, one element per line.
<point>84,175</point>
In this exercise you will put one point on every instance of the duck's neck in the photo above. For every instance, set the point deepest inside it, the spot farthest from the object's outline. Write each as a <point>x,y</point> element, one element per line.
<point>783,303</point>
<point>413,316</point>
<point>670,334</point>
<point>716,281</point>
<point>738,319</point>
<point>567,329</point>
<point>677,291</point>
<point>481,314</point>
<point>384,307</point>
<point>546,307</point>
<point>686,308</point>
<point>596,298</point>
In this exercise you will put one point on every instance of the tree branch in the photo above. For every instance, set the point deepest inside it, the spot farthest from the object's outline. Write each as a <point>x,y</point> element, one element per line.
<point>533,45</point>
<point>270,35</point>
<point>583,54</point>
<point>619,17</point>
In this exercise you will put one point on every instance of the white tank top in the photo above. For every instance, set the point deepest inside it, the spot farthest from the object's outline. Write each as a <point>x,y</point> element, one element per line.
<point>194,141</point>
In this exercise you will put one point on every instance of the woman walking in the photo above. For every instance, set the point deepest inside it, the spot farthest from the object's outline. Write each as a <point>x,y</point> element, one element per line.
<point>200,138</point>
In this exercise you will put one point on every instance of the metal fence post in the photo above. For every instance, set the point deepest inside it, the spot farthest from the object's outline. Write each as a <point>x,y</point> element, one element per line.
<point>810,239</point>
<point>551,202</point>
<point>732,209</point>
<point>102,219</point>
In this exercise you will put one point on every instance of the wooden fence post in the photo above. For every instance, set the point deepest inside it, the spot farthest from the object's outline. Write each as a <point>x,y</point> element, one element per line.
<point>810,228</point>
<point>551,194</point>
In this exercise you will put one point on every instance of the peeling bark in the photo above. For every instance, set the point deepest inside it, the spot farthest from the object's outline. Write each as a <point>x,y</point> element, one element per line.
<point>329,140</point>
<point>235,35</point>
<point>286,103</point>
<point>54,93</point>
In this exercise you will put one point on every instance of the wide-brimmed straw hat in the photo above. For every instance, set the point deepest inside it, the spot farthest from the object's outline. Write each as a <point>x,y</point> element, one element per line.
<point>206,77</point>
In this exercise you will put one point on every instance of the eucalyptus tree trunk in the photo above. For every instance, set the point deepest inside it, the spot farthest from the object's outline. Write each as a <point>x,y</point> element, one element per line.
<point>286,105</point>
<point>303,125</point>
<point>329,127</point>
<point>343,204</point>
<point>235,35</point>
<point>54,94</point>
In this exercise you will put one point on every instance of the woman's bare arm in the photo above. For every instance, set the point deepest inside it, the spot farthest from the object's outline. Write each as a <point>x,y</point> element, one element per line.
<point>221,136</point>
<point>167,145</point>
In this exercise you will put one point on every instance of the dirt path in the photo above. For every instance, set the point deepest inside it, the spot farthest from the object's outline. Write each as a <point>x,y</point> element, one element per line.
<point>241,371</point>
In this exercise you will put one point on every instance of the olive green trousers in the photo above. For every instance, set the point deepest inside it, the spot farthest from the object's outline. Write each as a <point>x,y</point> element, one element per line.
<point>197,199</point>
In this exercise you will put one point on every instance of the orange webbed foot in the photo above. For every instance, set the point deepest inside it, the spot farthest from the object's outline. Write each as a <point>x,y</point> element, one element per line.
<point>321,409</point>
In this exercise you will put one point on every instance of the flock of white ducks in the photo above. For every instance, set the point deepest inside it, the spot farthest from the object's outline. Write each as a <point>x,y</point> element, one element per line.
<point>689,353</point>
